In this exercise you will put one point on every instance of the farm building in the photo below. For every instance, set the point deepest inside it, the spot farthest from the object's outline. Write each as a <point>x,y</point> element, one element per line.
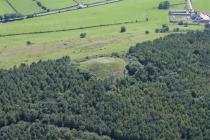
<point>182,15</point>
<point>201,18</point>
<point>179,15</point>
<point>188,15</point>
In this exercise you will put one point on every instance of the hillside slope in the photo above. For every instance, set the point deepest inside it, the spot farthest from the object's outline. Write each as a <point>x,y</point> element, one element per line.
<point>164,96</point>
<point>53,36</point>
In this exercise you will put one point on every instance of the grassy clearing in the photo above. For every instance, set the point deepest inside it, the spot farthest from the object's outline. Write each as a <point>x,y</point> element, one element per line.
<point>105,66</point>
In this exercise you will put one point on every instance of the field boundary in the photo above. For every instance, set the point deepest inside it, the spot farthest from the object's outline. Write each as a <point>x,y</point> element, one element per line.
<point>175,4</point>
<point>56,11</point>
<point>72,29</point>
<point>76,1</point>
<point>13,8</point>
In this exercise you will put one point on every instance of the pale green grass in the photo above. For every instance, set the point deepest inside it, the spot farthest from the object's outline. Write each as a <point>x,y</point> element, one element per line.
<point>76,48</point>
<point>57,4</point>
<point>89,1</point>
<point>25,6</point>
<point>201,5</point>
<point>5,8</point>
<point>105,67</point>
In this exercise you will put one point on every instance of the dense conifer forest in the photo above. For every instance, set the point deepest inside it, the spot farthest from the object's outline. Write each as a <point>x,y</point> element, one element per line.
<point>165,95</point>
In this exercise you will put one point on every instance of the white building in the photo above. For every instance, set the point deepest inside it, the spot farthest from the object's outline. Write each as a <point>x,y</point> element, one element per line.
<point>201,18</point>
<point>179,15</point>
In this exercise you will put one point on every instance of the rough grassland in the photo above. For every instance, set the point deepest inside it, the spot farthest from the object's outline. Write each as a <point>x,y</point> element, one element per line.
<point>99,41</point>
<point>105,66</point>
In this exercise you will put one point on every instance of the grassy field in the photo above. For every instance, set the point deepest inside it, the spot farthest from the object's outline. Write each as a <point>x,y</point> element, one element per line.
<point>203,5</point>
<point>99,41</point>
<point>117,12</point>
<point>25,6</point>
<point>57,4</point>
<point>5,8</point>
<point>89,1</point>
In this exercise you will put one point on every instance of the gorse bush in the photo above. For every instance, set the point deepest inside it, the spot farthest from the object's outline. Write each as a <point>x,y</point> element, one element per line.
<point>164,5</point>
<point>147,32</point>
<point>122,29</point>
<point>83,35</point>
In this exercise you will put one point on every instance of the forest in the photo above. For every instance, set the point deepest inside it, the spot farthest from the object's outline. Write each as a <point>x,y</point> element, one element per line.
<point>164,95</point>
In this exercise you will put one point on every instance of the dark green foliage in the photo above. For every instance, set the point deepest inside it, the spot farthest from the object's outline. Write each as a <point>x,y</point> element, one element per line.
<point>115,54</point>
<point>181,22</point>
<point>42,6</point>
<point>30,16</point>
<point>146,32</point>
<point>83,35</point>
<point>122,29</point>
<point>28,42</point>
<point>10,16</point>
<point>207,27</point>
<point>164,29</point>
<point>157,30</point>
<point>38,131</point>
<point>165,96</point>
<point>185,24</point>
<point>175,71</point>
<point>164,5</point>
<point>176,30</point>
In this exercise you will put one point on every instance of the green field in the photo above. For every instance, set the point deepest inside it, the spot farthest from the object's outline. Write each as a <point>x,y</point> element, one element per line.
<point>99,41</point>
<point>89,1</point>
<point>25,6</point>
<point>203,5</point>
<point>57,4</point>
<point>5,8</point>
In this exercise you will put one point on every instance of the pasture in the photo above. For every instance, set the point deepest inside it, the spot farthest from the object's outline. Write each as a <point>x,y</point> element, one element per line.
<point>5,8</point>
<point>203,5</point>
<point>100,41</point>
<point>89,1</point>
<point>57,4</point>
<point>25,7</point>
